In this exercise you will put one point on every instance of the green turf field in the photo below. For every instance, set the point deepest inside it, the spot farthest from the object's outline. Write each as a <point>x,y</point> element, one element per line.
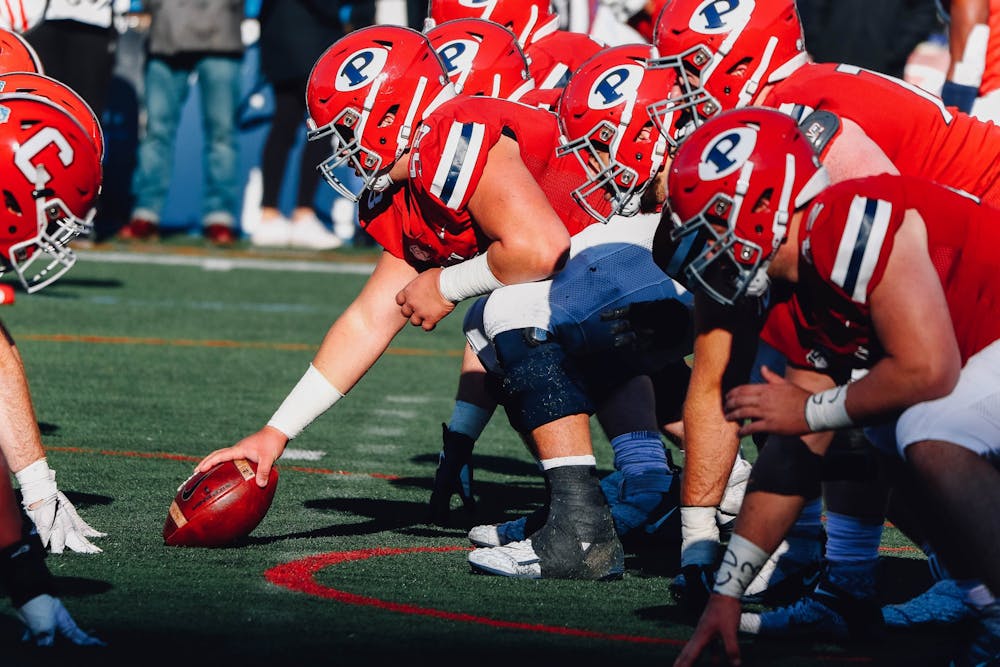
<point>139,368</point>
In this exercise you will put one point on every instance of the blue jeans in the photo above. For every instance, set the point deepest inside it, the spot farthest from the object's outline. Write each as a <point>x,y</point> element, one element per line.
<point>167,88</point>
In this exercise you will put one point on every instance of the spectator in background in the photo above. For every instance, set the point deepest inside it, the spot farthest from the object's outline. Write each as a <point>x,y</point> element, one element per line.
<point>875,35</point>
<point>294,33</point>
<point>76,42</point>
<point>190,37</point>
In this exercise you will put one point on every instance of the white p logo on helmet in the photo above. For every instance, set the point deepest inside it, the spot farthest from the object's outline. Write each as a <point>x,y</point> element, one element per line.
<point>721,16</point>
<point>726,153</point>
<point>615,86</point>
<point>360,69</point>
<point>458,55</point>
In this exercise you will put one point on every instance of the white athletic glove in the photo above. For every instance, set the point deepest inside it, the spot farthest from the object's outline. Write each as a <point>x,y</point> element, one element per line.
<point>45,616</point>
<point>56,520</point>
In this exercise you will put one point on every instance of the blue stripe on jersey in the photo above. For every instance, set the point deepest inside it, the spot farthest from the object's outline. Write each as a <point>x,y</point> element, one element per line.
<point>860,243</point>
<point>458,158</point>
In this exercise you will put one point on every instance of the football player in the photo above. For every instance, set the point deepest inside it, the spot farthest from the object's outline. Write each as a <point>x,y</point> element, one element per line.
<point>619,153</point>
<point>460,209</point>
<point>52,181</point>
<point>753,53</point>
<point>889,273</point>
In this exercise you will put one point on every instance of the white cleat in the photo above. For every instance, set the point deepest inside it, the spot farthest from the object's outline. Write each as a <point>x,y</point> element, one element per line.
<point>498,534</point>
<point>517,559</point>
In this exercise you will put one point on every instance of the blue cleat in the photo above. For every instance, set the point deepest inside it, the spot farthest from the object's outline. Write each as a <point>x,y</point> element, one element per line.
<point>941,604</point>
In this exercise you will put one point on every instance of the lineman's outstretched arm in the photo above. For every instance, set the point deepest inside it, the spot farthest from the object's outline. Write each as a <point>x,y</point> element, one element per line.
<point>352,345</point>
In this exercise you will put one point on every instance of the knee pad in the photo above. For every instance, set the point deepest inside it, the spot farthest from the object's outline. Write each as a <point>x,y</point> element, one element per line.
<point>538,386</point>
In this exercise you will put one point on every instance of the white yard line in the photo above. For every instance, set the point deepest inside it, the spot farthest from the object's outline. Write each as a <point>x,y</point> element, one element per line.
<point>216,263</point>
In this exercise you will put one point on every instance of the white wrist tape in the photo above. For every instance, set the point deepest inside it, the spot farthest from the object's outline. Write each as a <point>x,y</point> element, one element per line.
<point>473,277</point>
<point>37,482</point>
<point>740,565</point>
<point>699,535</point>
<point>827,410</point>
<point>310,398</point>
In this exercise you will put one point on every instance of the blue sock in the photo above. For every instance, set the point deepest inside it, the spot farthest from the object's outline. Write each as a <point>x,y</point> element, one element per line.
<point>639,452</point>
<point>469,419</point>
<point>848,539</point>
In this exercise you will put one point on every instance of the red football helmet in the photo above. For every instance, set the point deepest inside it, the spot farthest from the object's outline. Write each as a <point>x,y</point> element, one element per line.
<point>50,175</point>
<point>482,58</point>
<point>530,20</point>
<point>732,47</point>
<point>605,121</point>
<point>733,187</point>
<point>16,55</point>
<point>368,93</point>
<point>61,94</point>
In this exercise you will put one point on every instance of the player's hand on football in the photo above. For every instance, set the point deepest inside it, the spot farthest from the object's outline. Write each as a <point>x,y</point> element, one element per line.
<point>263,448</point>
<point>421,301</point>
<point>777,407</point>
<point>59,525</point>
<point>721,620</point>
<point>45,618</point>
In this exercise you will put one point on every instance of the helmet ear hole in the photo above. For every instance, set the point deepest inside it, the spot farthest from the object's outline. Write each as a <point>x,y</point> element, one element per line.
<point>11,203</point>
<point>763,203</point>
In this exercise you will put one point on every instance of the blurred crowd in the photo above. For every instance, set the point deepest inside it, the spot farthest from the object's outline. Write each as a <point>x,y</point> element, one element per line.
<point>202,102</point>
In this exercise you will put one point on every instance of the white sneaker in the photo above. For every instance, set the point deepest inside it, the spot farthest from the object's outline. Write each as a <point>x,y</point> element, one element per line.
<point>274,233</point>
<point>311,234</point>
<point>517,559</point>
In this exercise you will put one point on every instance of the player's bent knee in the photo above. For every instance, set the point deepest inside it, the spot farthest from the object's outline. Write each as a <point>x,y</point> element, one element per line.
<point>787,467</point>
<point>538,386</point>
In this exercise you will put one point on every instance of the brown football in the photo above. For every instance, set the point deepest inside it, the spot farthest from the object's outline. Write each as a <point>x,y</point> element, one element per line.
<point>218,507</point>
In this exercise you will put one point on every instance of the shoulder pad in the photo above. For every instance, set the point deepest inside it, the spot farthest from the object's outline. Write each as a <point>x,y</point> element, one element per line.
<point>820,127</point>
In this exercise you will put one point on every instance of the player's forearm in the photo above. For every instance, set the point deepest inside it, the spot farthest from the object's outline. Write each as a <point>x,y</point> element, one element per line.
<point>710,446</point>
<point>20,439</point>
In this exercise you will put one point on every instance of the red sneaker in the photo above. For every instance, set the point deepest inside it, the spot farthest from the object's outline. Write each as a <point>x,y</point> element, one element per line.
<point>139,229</point>
<point>220,234</point>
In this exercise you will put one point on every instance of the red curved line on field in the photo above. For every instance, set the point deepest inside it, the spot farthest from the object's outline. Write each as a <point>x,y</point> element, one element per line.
<point>299,576</point>
<point>195,459</point>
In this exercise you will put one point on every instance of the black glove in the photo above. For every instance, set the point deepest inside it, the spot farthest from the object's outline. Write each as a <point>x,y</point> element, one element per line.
<point>453,475</point>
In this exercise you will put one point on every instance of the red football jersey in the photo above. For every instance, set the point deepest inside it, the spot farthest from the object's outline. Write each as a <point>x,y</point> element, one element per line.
<point>845,246</point>
<point>914,129</point>
<point>554,57</point>
<point>426,222</point>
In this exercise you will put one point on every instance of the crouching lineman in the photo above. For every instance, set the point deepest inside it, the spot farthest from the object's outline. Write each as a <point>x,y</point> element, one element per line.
<point>52,179</point>
<point>890,273</point>
<point>538,330</point>
<point>454,194</point>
